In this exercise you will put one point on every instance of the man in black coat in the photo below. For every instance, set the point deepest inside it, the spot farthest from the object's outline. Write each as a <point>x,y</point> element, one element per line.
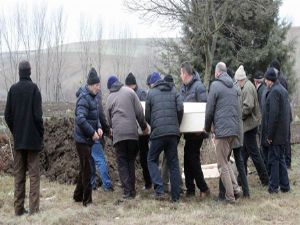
<point>193,90</point>
<point>23,115</point>
<point>164,112</point>
<point>275,129</point>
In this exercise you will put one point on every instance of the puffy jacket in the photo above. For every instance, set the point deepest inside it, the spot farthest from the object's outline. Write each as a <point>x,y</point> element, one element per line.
<point>141,93</point>
<point>222,108</point>
<point>86,116</point>
<point>23,115</point>
<point>251,109</point>
<point>276,115</point>
<point>164,110</point>
<point>124,110</point>
<point>194,91</point>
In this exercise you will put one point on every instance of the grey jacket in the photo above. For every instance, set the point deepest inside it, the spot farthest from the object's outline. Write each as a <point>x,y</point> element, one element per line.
<point>240,139</point>
<point>123,110</point>
<point>164,110</point>
<point>194,91</point>
<point>141,93</point>
<point>251,109</point>
<point>222,108</point>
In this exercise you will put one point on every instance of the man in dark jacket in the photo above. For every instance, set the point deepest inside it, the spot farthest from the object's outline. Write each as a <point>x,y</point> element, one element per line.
<point>164,112</point>
<point>87,132</point>
<point>130,82</point>
<point>192,90</point>
<point>123,110</point>
<point>222,111</point>
<point>23,115</point>
<point>275,129</point>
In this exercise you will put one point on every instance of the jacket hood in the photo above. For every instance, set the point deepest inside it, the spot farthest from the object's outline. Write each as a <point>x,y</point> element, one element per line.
<point>195,78</point>
<point>83,90</point>
<point>226,80</point>
<point>116,86</point>
<point>163,85</point>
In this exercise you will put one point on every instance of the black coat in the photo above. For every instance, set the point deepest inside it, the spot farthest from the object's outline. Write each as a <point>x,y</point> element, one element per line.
<point>23,115</point>
<point>275,115</point>
<point>164,110</point>
<point>260,92</point>
<point>86,116</point>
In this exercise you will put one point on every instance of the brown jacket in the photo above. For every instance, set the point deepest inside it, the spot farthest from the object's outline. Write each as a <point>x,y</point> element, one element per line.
<point>251,110</point>
<point>124,110</point>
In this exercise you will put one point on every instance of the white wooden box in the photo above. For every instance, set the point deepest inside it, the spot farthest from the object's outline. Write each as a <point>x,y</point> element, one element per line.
<point>193,118</point>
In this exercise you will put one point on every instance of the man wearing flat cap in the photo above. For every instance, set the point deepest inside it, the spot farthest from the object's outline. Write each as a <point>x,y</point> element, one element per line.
<point>23,115</point>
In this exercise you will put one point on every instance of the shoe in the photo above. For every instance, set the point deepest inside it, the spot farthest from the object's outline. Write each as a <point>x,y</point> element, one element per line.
<point>147,187</point>
<point>189,194</point>
<point>238,194</point>
<point>204,194</point>
<point>128,196</point>
<point>21,212</point>
<point>159,196</point>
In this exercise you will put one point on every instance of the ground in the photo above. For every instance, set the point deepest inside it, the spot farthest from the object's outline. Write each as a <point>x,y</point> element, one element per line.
<point>57,207</point>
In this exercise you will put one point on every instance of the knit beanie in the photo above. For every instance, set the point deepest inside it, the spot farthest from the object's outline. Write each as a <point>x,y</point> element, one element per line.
<point>275,63</point>
<point>24,68</point>
<point>111,80</point>
<point>130,79</point>
<point>258,75</point>
<point>169,78</point>
<point>154,77</point>
<point>148,79</point>
<point>271,74</point>
<point>93,77</point>
<point>240,74</point>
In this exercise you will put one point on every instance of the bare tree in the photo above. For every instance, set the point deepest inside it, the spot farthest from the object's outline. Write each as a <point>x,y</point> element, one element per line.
<point>99,46</point>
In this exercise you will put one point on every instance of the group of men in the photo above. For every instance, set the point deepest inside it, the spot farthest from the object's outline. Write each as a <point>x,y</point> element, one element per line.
<point>236,111</point>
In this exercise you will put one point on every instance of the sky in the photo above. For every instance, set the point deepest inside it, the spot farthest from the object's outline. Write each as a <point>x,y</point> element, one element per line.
<point>114,14</point>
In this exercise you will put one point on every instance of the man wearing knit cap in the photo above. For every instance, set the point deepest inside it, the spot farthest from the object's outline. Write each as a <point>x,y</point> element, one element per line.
<point>275,129</point>
<point>193,90</point>
<point>155,76</point>
<point>123,110</point>
<point>251,120</point>
<point>87,132</point>
<point>130,82</point>
<point>23,115</point>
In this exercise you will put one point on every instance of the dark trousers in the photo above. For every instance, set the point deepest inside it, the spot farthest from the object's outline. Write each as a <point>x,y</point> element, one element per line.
<point>242,178</point>
<point>279,175</point>
<point>288,150</point>
<point>168,144</point>
<point>83,190</point>
<point>265,155</point>
<point>126,154</point>
<point>192,166</point>
<point>251,149</point>
<point>143,150</point>
<point>23,160</point>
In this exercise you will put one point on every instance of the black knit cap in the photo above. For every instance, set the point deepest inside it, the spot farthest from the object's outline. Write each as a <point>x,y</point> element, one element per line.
<point>130,79</point>
<point>259,75</point>
<point>93,77</point>
<point>271,74</point>
<point>24,68</point>
<point>169,78</point>
<point>275,63</point>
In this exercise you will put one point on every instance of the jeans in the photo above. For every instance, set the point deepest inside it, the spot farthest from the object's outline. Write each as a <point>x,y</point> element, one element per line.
<point>192,166</point>
<point>168,144</point>
<point>98,161</point>
<point>278,170</point>
<point>251,149</point>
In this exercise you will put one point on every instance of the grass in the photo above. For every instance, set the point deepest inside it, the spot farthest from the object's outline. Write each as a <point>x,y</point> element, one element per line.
<point>57,207</point>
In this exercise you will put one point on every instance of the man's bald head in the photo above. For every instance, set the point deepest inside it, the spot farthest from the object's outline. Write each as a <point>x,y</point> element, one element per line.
<point>220,68</point>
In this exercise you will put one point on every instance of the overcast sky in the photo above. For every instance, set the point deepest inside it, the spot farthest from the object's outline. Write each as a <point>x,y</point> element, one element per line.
<point>114,14</point>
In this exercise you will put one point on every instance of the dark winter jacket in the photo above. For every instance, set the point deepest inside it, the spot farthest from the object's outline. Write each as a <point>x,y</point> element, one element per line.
<point>222,108</point>
<point>141,93</point>
<point>283,81</point>
<point>164,110</point>
<point>86,116</point>
<point>124,110</point>
<point>276,115</point>
<point>23,115</point>
<point>260,92</point>
<point>194,91</point>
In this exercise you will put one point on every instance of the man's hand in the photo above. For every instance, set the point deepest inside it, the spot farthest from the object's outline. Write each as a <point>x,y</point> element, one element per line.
<point>269,141</point>
<point>146,131</point>
<point>96,136</point>
<point>100,132</point>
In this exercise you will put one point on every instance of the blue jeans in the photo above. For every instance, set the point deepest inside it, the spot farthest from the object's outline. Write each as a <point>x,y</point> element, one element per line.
<point>98,160</point>
<point>278,170</point>
<point>168,144</point>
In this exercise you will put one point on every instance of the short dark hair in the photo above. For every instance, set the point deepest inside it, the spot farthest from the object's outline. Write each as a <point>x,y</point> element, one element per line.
<point>187,67</point>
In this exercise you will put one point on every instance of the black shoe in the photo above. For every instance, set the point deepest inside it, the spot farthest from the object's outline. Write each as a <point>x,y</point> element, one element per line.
<point>147,186</point>
<point>21,212</point>
<point>189,194</point>
<point>128,196</point>
<point>237,195</point>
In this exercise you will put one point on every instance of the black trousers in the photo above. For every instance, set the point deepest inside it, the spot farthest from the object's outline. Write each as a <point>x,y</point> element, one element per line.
<point>83,190</point>
<point>192,166</point>
<point>126,154</point>
<point>143,150</point>
<point>251,149</point>
<point>242,178</point>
